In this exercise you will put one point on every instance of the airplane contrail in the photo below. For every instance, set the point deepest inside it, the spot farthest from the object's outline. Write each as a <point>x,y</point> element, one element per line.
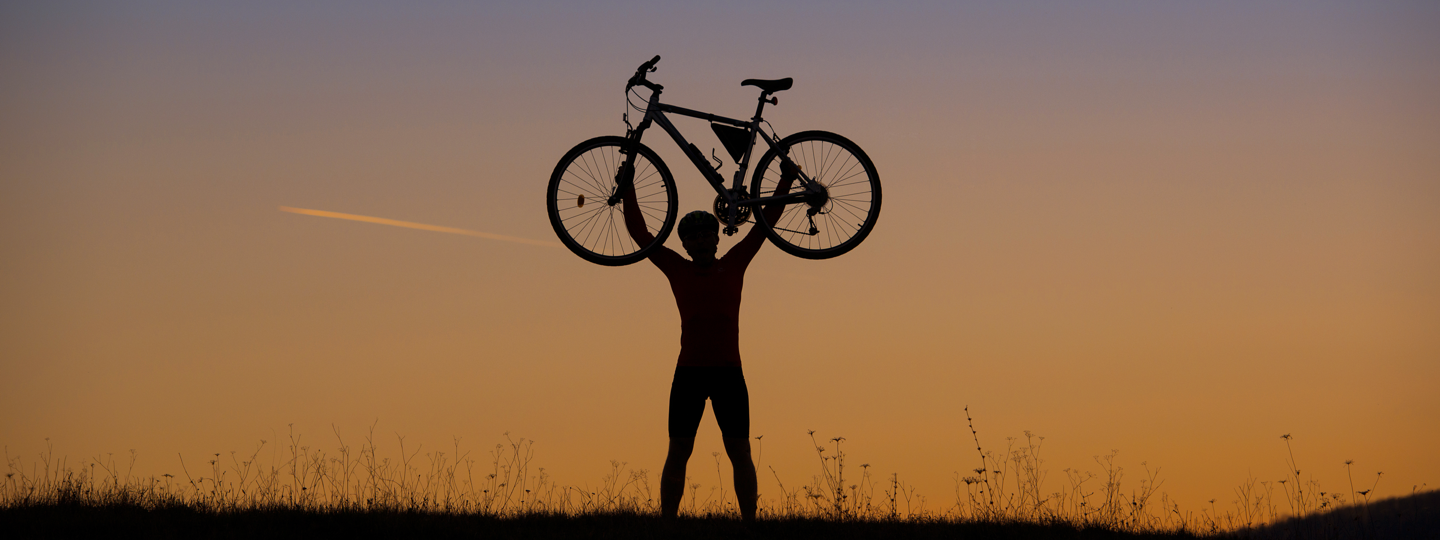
<point>420,226</point>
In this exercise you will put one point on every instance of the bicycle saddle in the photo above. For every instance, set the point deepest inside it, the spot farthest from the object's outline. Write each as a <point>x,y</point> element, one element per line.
<point>769,85</point>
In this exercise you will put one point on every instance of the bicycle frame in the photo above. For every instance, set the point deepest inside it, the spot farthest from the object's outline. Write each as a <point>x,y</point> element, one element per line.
<point>655,112</point>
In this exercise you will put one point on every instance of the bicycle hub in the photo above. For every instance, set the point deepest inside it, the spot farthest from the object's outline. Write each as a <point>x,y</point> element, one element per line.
<point>817,198</point>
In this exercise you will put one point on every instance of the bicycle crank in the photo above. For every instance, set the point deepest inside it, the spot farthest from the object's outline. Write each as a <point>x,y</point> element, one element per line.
<point>722,208</point>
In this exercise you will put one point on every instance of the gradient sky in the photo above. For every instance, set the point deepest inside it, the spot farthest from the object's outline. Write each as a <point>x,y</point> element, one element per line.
<point>1178,230</point>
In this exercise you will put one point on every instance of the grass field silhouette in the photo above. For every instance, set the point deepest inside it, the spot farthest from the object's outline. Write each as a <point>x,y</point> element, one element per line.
<point>300,490</point>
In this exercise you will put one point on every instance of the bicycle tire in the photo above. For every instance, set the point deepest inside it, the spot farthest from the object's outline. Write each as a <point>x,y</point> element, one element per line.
<point>853,196</point>
<point>576,201</point>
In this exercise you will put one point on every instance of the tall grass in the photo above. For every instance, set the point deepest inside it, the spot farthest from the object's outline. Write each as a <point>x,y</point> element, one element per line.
<point>350,478</point>
<point>1007,486</point>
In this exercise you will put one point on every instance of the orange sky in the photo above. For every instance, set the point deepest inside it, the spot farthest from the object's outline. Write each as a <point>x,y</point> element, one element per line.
<point>1178,231</point>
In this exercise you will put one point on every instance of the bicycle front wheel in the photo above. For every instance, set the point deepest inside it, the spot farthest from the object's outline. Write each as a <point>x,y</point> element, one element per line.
<point>837,220</point>
<point>578,196</point>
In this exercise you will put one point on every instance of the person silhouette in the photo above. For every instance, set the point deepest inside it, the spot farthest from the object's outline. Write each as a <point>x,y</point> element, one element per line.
<point>707,292</point>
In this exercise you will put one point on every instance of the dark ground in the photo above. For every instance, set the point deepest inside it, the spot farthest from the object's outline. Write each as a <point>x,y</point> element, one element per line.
<point>96,522</point>
<point>1413,517</point>
<point>1402,518</point>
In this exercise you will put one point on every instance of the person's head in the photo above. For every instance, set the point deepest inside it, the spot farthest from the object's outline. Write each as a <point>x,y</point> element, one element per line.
<point>700,233</point>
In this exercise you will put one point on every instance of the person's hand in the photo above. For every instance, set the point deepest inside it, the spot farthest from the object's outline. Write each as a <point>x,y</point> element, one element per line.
<point>625,179</point>
<point>789,170</point>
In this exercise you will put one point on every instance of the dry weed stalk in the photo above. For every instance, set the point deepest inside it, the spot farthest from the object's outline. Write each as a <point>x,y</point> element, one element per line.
<point>308,478</point>
<point>1007,487</point>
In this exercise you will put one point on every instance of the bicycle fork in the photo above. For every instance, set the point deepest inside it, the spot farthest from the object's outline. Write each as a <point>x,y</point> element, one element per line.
<point>625,175</point>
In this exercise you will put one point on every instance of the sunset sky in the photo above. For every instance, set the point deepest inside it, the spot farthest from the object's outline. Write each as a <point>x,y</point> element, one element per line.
<point>1179,230</point>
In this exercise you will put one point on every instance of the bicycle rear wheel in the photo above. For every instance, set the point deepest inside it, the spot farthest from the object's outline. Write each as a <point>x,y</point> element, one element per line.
<point>578,195</point>
<point>835,222</point>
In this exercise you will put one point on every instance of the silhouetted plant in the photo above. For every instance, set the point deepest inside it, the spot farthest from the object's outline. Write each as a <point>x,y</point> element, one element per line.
<point>1007,488</point>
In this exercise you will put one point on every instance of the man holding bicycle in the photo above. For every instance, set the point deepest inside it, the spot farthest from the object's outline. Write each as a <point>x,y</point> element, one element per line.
<point>707,292</point>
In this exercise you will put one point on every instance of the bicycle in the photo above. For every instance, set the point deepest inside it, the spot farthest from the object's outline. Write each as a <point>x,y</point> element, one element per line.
<point>832,207</point>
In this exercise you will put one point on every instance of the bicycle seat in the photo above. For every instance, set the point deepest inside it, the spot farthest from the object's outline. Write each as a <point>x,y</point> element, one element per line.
<point>769,85</point>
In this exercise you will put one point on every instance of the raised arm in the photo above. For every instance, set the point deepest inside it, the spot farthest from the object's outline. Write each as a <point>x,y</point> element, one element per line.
<point>661,256</point>
<point>788,174</point>
<point>750,245</point>
<point>634,221</point>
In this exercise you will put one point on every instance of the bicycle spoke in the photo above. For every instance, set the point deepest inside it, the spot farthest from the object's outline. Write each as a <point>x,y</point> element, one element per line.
<point>587,228</point>
<point>596,171</point>
<point>593,171</point>
<point>840,178</point>
<point>585,185</point>
<point>848,206</point>
<point>579,219</point>
<point>610,233</point>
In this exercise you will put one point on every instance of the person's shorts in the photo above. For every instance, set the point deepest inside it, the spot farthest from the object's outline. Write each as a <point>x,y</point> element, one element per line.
<point>724,386</point>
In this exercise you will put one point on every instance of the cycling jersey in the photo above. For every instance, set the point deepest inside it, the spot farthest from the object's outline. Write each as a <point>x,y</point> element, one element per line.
<point>709,301</point>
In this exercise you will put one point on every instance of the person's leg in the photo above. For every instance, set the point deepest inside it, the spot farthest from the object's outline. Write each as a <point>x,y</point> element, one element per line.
<point>731,401</point>
<point>738,448</point>
<point>672,478</point>
<point>687,405</point>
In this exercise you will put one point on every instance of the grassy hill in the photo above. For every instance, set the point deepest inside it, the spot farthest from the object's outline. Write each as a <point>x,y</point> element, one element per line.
<point>1414,516</point>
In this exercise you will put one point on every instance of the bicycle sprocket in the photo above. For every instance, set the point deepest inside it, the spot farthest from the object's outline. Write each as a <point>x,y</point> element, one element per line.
<point>722,208</point>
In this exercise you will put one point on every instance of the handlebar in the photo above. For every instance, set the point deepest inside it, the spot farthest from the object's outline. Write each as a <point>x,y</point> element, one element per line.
<point>639,78</point>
